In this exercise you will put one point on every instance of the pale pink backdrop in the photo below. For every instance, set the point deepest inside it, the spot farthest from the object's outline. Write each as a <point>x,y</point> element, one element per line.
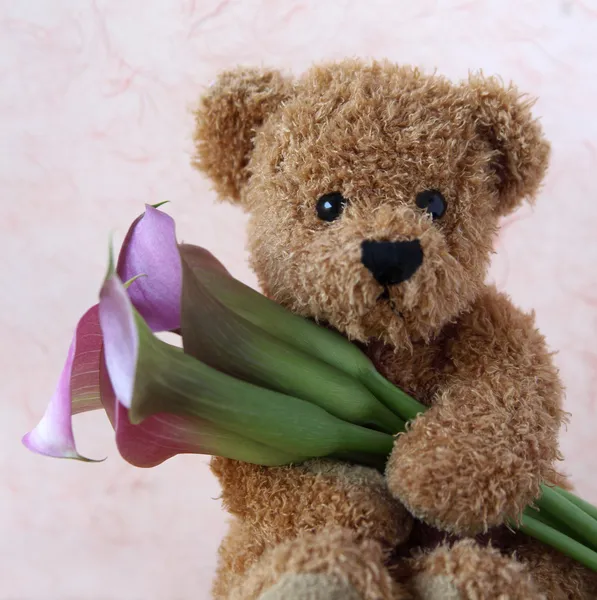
<point>95,100</point>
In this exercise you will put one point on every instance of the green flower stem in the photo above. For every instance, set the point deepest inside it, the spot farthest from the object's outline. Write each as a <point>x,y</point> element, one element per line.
<point>589,508</point>
<point>385,420</point>
<point>541,516</point>
<point>551,521</point>
<point>365,441</point>
<point>394,398</point>
<point>556,539</point>
<point>559,507</point>
<point>207,279</point>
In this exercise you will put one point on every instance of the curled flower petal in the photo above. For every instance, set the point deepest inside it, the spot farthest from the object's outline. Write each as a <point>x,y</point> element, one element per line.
<point>121,342</point>
<point>149,249</point>
<point>77,391</point>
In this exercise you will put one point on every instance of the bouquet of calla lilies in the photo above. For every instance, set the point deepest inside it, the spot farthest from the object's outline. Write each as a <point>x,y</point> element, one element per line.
<point>252,381</point>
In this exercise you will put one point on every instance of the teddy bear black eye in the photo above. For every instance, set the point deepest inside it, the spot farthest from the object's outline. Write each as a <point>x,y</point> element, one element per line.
<point>330,206</point>
<point>433,202</point>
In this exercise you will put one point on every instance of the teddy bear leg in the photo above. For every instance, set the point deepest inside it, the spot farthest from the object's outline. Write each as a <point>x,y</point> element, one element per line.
<point>273,506</point>
<point>556,575</point>
<point>467,571</point>
<point>333,564</point>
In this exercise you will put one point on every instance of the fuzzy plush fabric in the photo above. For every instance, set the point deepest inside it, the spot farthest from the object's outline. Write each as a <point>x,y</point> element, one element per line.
<point>309,497</point>
<point>490,438</point>
<point>340,563</point>
<point>559,576</point>
<point>374,136</point>
<point>467,571</point>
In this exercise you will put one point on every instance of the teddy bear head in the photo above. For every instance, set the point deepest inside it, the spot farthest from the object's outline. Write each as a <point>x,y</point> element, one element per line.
<point>374,191</point>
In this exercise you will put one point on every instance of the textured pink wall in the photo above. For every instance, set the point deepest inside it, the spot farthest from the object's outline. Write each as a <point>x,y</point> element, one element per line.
<point>94,121</point>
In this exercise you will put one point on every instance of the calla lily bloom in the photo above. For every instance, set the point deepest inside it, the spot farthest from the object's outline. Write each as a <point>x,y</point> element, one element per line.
<point>149,257</point>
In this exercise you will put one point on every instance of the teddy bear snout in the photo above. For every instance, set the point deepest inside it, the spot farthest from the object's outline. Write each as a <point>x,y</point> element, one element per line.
<point>391,263</point>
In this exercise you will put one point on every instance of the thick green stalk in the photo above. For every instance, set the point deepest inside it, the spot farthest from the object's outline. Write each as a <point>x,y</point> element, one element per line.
<point>558,506</point>
<point>589,508</point>
<point>308,338</point>
<point>393,397</point>
<point>556,539</point>
<point>541,516</point>
<point>550,520</point>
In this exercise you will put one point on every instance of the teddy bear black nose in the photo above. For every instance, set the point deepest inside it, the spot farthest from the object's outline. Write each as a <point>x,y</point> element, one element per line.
<point>391,262</point>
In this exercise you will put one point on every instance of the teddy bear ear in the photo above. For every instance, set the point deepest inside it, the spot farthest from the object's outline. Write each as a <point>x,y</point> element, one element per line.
<point>226,121</point>
<point>521,152</point>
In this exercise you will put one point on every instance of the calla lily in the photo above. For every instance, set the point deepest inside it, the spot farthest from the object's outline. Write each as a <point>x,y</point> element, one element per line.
<point>149,257</point>
<point>150,249</point>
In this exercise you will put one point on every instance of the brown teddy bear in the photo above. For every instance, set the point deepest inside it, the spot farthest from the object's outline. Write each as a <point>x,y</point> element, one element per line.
<point>374,193</point>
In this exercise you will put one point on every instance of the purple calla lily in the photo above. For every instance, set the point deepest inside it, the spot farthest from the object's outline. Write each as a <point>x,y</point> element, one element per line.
<point>150,249</point>
<point>53,435</point>
<point>150,256</point>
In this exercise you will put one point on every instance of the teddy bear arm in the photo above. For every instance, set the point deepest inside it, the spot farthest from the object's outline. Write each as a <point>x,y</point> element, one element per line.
<point>479,455</point>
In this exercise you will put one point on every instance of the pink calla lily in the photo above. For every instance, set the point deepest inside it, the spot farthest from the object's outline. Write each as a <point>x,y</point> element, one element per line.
<point>149,255</point>
<point>77,391</point>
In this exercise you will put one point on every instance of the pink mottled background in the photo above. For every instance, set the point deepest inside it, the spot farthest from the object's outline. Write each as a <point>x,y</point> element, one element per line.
<point>95,100</point>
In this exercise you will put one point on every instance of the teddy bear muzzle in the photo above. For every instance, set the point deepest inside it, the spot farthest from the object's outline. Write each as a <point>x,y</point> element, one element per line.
<point>391,263</point>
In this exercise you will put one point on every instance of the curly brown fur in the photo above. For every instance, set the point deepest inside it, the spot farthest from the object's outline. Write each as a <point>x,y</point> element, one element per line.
<point>348,564</point>
<point>238,552</point>
<point>468,572</point>
<point>311,496</point>
<point>557,576</point>
<point>379,134</point>
<point>229,114</point>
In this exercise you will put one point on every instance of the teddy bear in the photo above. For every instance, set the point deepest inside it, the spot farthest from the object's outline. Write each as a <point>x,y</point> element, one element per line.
<point>374,193</point>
